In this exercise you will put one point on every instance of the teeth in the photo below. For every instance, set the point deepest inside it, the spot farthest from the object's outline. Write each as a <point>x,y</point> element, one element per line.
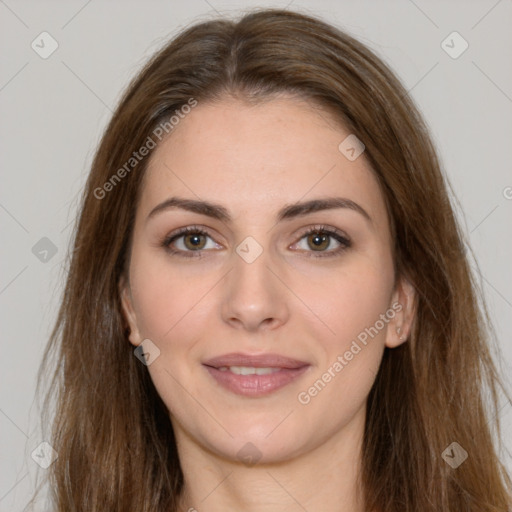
<point>248,370</point>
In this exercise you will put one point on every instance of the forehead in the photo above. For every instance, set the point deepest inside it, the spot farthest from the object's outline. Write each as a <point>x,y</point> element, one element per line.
<point>258,156</point>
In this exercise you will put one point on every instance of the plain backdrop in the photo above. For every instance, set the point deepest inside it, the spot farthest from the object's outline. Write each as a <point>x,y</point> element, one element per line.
<point>54,109</point>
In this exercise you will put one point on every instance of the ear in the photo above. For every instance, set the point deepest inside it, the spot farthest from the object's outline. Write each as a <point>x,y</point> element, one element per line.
<point>128,311</point>
<point>403,303</point>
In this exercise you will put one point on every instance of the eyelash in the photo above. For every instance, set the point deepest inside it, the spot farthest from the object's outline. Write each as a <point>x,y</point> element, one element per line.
<point>197,230</point>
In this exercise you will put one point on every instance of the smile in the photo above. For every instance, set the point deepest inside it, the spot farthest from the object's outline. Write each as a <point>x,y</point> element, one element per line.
<point>254,375</point>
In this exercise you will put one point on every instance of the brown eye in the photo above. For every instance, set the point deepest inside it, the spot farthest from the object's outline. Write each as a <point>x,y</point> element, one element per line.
<point>194,241</point>
<point>189,242</point>
<point>323,241</point>
<point>318,241</point>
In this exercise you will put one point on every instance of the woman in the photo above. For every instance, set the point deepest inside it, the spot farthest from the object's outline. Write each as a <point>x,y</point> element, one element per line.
<point>268,305</point>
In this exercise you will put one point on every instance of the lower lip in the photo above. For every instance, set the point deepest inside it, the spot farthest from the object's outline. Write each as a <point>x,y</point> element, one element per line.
<point>255,385</point>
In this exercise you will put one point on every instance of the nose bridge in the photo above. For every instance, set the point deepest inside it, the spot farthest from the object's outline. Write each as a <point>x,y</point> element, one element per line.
<point>251,267</point>
<point>253,296</point>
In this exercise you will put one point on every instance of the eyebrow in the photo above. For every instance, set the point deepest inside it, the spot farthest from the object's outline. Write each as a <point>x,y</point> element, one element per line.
<point>288,212</point>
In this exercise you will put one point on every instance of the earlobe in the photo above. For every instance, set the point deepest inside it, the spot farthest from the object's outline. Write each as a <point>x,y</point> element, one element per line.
<point>128,311</point>
<point>404,304</point>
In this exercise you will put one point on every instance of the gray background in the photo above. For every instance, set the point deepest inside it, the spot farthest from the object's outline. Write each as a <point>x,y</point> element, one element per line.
<point>53,112</point>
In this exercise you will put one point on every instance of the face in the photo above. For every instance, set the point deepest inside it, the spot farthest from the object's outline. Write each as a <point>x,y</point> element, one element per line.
<point>268,317</point>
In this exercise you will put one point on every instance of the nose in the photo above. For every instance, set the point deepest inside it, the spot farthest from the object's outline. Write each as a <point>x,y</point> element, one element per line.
<point>253,297</point>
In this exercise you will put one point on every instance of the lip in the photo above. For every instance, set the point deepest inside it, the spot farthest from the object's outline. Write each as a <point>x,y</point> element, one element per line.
<point>255,385</point>
<point>256,361</point>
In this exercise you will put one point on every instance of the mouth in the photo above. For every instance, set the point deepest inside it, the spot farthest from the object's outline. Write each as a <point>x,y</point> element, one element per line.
<point>254,375</point>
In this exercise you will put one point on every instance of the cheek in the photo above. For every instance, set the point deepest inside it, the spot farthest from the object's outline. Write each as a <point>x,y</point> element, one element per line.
<point>349,300</point>
<point>353,305</point>
<point>170,308</point>
<point>166,298</point>
<point>351,357</point>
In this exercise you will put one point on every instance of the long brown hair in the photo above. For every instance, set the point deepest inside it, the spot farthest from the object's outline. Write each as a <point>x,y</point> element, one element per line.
<point>112,431</point>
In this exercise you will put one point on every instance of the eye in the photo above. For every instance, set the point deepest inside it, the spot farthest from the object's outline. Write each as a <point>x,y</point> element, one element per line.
<point>320,238</point>
<point>188,241</point>
<point>192,240</point>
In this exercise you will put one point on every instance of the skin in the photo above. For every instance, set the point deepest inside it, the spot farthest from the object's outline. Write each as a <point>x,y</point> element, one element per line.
<point>253,160</point>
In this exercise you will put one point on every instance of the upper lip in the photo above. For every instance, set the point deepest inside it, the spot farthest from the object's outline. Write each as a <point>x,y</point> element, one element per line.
<point>255,361</point>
